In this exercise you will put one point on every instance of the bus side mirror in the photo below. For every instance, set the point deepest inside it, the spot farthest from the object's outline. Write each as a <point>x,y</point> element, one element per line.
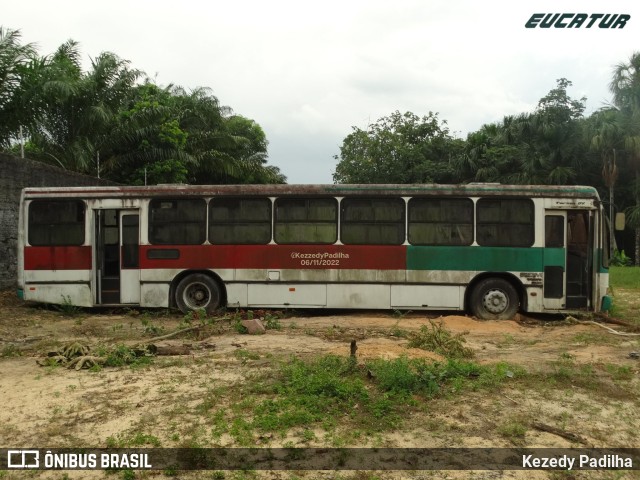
<point>619,222</point>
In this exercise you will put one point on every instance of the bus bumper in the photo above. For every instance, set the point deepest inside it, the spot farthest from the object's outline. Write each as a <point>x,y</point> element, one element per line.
<point>607,303</point>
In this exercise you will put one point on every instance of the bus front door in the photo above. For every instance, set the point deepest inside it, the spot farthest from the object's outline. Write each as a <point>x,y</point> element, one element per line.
<point>567,259</point>
<point>579,258</point>
<point>116,250</point>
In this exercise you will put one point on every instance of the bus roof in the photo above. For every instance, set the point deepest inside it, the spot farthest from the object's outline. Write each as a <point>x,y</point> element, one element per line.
<point>466,190</point>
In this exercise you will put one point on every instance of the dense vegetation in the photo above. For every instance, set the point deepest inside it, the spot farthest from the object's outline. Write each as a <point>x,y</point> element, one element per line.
<point>114,122</point>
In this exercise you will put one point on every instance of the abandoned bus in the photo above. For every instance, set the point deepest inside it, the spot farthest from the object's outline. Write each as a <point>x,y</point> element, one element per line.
<point>487,248</point>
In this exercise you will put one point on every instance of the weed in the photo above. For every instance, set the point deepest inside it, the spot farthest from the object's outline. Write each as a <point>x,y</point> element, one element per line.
<point>513,428</point>
<point>67,308</point>
<point>272,322</point>
<point>238,327</point>
<point>245,355</point>
<point>137,439</point>
<point>436,338</point>
<point>396,331</point>
<point>128,474</point>
<point>150,327</point>
<point>121,355</point>
<point>10,351</point>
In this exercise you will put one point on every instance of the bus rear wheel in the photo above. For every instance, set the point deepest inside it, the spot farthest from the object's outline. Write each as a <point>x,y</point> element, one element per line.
<point>494,299</point>
<point>196,292</point>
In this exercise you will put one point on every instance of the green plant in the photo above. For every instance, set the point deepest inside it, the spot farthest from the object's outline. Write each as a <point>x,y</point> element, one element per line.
<point>149,327</point>
<point>272,322</point>
<point>620,259</point>
<point>67,308</point>
<point>436,338</point>
<point>10,351</point>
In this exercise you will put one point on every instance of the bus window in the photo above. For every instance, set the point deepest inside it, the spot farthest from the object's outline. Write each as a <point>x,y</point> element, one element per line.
<point>373,221</point>
<point>554,231</point>
<point>306,220</point>
<point>240,220</point>
<point>436,221</point>
<point>177,221</point>
<point>56,222</point>
<point>505,222</point>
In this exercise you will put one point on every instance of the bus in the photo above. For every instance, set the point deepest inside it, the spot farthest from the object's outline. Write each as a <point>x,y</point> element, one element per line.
<point>488,249</point>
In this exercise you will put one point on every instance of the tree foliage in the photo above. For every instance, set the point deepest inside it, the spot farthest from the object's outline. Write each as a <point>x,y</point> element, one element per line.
<point>103,121</point>
<point>400,148</point>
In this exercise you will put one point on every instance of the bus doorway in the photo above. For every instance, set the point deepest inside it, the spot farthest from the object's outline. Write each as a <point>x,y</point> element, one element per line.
<point>579,258</point>
<point>568,278</point>
<point>116,257</point>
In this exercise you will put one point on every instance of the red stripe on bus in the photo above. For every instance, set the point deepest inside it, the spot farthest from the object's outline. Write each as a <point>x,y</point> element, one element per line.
<point>279,257</point>
<point>57,258</point>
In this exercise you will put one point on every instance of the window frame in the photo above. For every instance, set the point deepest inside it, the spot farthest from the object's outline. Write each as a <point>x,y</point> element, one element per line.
<point>83,222</point>
<point>530,241</point>
<point>399,200</point>
<point>151,223</point>
<point>211,223</point>
<point>472,222</point>
<point>276,221</point>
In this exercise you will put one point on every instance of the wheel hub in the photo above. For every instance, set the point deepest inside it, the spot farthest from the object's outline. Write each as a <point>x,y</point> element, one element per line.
<point>197,296</point>
<point>495,301</point>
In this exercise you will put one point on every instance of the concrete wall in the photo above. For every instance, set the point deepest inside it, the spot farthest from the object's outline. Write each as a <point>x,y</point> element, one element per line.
<point>16,174</point>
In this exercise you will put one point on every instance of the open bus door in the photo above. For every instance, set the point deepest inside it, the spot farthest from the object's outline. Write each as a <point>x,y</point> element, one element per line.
<point>116,256</point>
<point>568,259</point>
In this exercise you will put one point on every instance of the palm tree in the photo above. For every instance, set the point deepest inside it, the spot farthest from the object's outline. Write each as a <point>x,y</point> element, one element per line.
<point>78,109</point>
<point>625,87</point>
<point>14,59</point>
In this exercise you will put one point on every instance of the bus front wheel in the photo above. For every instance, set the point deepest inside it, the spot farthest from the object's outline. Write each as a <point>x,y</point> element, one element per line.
<point>196,292</point>
<point>494,299</point>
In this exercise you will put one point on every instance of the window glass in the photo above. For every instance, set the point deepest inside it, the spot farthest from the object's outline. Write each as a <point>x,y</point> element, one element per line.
<point>56,222</point>
<point>554,231</point>
<point>373,221</point>
<point>505,222</point>
<point>240,221</point>
<point>436,221</point>
<point>177,221</point>
<point>306,220</point>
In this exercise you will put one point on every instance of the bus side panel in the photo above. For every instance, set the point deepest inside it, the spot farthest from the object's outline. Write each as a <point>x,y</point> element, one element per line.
<point>427,296</point>
<point>58,275</point>
<point>60,293</point>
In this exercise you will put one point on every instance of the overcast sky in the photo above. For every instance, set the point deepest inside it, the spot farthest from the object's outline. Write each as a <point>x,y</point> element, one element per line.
<point>309,71</point>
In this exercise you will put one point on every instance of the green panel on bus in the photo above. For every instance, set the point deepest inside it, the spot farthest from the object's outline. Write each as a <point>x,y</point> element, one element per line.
<point>504,259</point>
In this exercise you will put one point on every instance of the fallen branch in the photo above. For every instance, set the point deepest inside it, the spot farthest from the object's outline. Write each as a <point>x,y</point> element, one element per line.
<point>175,334</point>
<point>609,329</point>
<point>560,432</point>
<point>617,321</point>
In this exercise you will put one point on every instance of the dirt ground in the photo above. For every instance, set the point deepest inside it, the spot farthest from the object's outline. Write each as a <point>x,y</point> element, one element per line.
<point>55,406</point>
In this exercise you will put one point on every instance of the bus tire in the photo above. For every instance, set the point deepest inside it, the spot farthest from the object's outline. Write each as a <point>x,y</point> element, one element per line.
<point>494,299</point>
<point>198,291</point>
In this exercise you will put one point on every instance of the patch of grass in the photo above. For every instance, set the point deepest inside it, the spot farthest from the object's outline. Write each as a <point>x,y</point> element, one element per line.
<point>368,398</point>
<point>245,355</point>
<point>625,277</point>
<point>132,439</point>
<point>436,338</point>
<point>513,428</point>
<point>10,351</point>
